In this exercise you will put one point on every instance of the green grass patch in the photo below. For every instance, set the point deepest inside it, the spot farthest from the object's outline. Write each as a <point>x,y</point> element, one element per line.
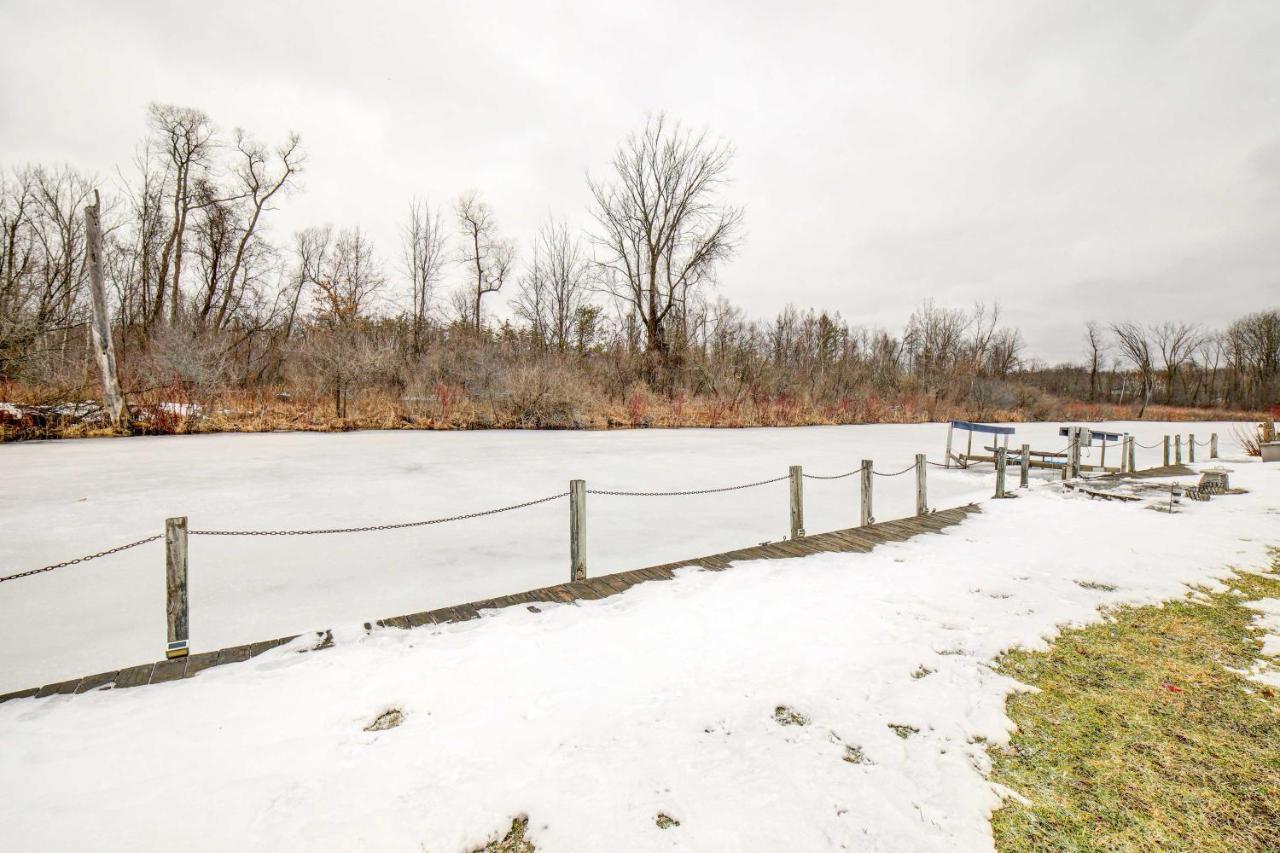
<point>1141,736</point>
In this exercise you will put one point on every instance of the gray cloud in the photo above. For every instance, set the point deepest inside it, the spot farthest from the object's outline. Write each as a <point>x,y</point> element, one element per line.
<point>1074,161</point>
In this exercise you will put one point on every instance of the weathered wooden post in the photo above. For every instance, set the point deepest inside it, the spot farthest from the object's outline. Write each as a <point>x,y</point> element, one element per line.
<point>866,493</point>
<point>104,351</point>
<point>175,576</point>
<point>1133,455</point>
<point>1213,445</point>
<point>951,425</point>
<point>577,530</point>
<point>1001,455</point>
<point>1165,457</point>
<point>1191,447</point>
<point>1024,476</point>
<point>797,502</point>
<point>922,494</point>
<point>1177,448</point>
<point>1075,452</point>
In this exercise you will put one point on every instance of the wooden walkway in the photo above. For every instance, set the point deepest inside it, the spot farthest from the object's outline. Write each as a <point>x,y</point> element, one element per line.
<point>856,539</point>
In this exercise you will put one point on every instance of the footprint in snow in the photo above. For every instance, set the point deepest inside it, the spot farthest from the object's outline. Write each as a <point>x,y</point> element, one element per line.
<point>388,719</point>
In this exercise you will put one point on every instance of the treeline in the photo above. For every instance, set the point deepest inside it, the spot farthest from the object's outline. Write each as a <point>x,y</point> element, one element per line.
<point>218,326</point>
<point>1175,364</point>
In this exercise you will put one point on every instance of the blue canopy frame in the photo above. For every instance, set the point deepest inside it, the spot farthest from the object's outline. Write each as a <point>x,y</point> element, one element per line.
<point>971,427</point>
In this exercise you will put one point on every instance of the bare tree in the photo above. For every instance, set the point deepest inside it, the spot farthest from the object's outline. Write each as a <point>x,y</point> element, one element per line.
<point>258,183</point>
<point>1096,347</point>
<point>344,273</point>
<point>662,227</point>
<point>1135,346</point>
<point>423,243</point>
<point>1176,342</point>
<point>489,257</point>
<point>184,144</point>
<point>553,291</point>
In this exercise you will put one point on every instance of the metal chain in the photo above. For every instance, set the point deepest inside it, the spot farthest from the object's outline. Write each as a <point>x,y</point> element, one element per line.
<point>832,476</point>
<point>910,467</point>
<point>374,527</point>
<point>618,493</point>
<point>1148,446</point>
<point>105,553</point>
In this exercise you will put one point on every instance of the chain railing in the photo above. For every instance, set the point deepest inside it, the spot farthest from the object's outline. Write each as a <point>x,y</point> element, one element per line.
<point>684,492</point>
<point>176,532</point>
<point>84,559</point>
<point>376,527</point>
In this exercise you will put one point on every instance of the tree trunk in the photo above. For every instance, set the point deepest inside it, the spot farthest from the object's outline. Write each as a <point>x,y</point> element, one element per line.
<point>103,347</point>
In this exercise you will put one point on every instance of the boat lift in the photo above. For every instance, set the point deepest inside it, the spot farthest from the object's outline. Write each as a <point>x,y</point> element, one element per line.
<point>1088,436</point>
<point>967,458</point>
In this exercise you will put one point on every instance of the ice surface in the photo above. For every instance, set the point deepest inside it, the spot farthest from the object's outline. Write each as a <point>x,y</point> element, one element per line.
<point>590,718</point>
<point>62,499</point>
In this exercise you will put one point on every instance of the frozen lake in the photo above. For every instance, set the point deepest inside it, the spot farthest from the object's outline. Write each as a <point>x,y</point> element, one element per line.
<point>65,499</point>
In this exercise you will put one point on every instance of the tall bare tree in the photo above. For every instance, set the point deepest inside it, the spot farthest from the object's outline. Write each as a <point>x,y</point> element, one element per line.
<point>424,245</point>
<point>1175,342</point>
<point>554,290</point>
<point>184,144</point>
<point>1135,346</point>
<point>663,228</point>
<point>1096,347</point>
<point>488,256</point>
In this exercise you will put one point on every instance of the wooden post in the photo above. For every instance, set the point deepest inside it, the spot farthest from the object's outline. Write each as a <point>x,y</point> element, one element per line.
<point>797,502</point>
<point>1074,458</point>
<point>1213,445</point>
<point>950,427</point>
<point>1103,461</point>
<point>922,493</point>
<point>104,350</point>
<point>1133,454</point>
<point>1177,448</point>
<point>1024,476</point>
<point>1165,457</point>
<point>1191,447</point>
<point>175,572</point>
<point>867,518</point>
<point>1001,455</point>
<point>577,530</point>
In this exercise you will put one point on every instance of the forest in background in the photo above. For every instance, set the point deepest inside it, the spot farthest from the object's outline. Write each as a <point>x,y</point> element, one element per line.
<point>216,326</point>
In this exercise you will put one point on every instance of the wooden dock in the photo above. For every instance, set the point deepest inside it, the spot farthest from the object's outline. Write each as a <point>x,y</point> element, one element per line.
<point>855,540</point>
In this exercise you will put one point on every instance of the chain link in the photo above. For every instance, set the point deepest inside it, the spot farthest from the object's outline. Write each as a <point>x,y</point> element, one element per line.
<point>374,527</point>
<point>832,476</point>
<point>619,493</point>
<point>910,467</point>
<point>684,492</point>
<point>85,559</point>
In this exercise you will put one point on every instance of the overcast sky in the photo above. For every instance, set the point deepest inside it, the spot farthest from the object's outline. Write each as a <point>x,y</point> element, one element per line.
<point>1073,160</point>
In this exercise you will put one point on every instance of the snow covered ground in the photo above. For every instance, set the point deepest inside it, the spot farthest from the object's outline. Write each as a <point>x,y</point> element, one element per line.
<point>64,499</point>
<point>593,718</point>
